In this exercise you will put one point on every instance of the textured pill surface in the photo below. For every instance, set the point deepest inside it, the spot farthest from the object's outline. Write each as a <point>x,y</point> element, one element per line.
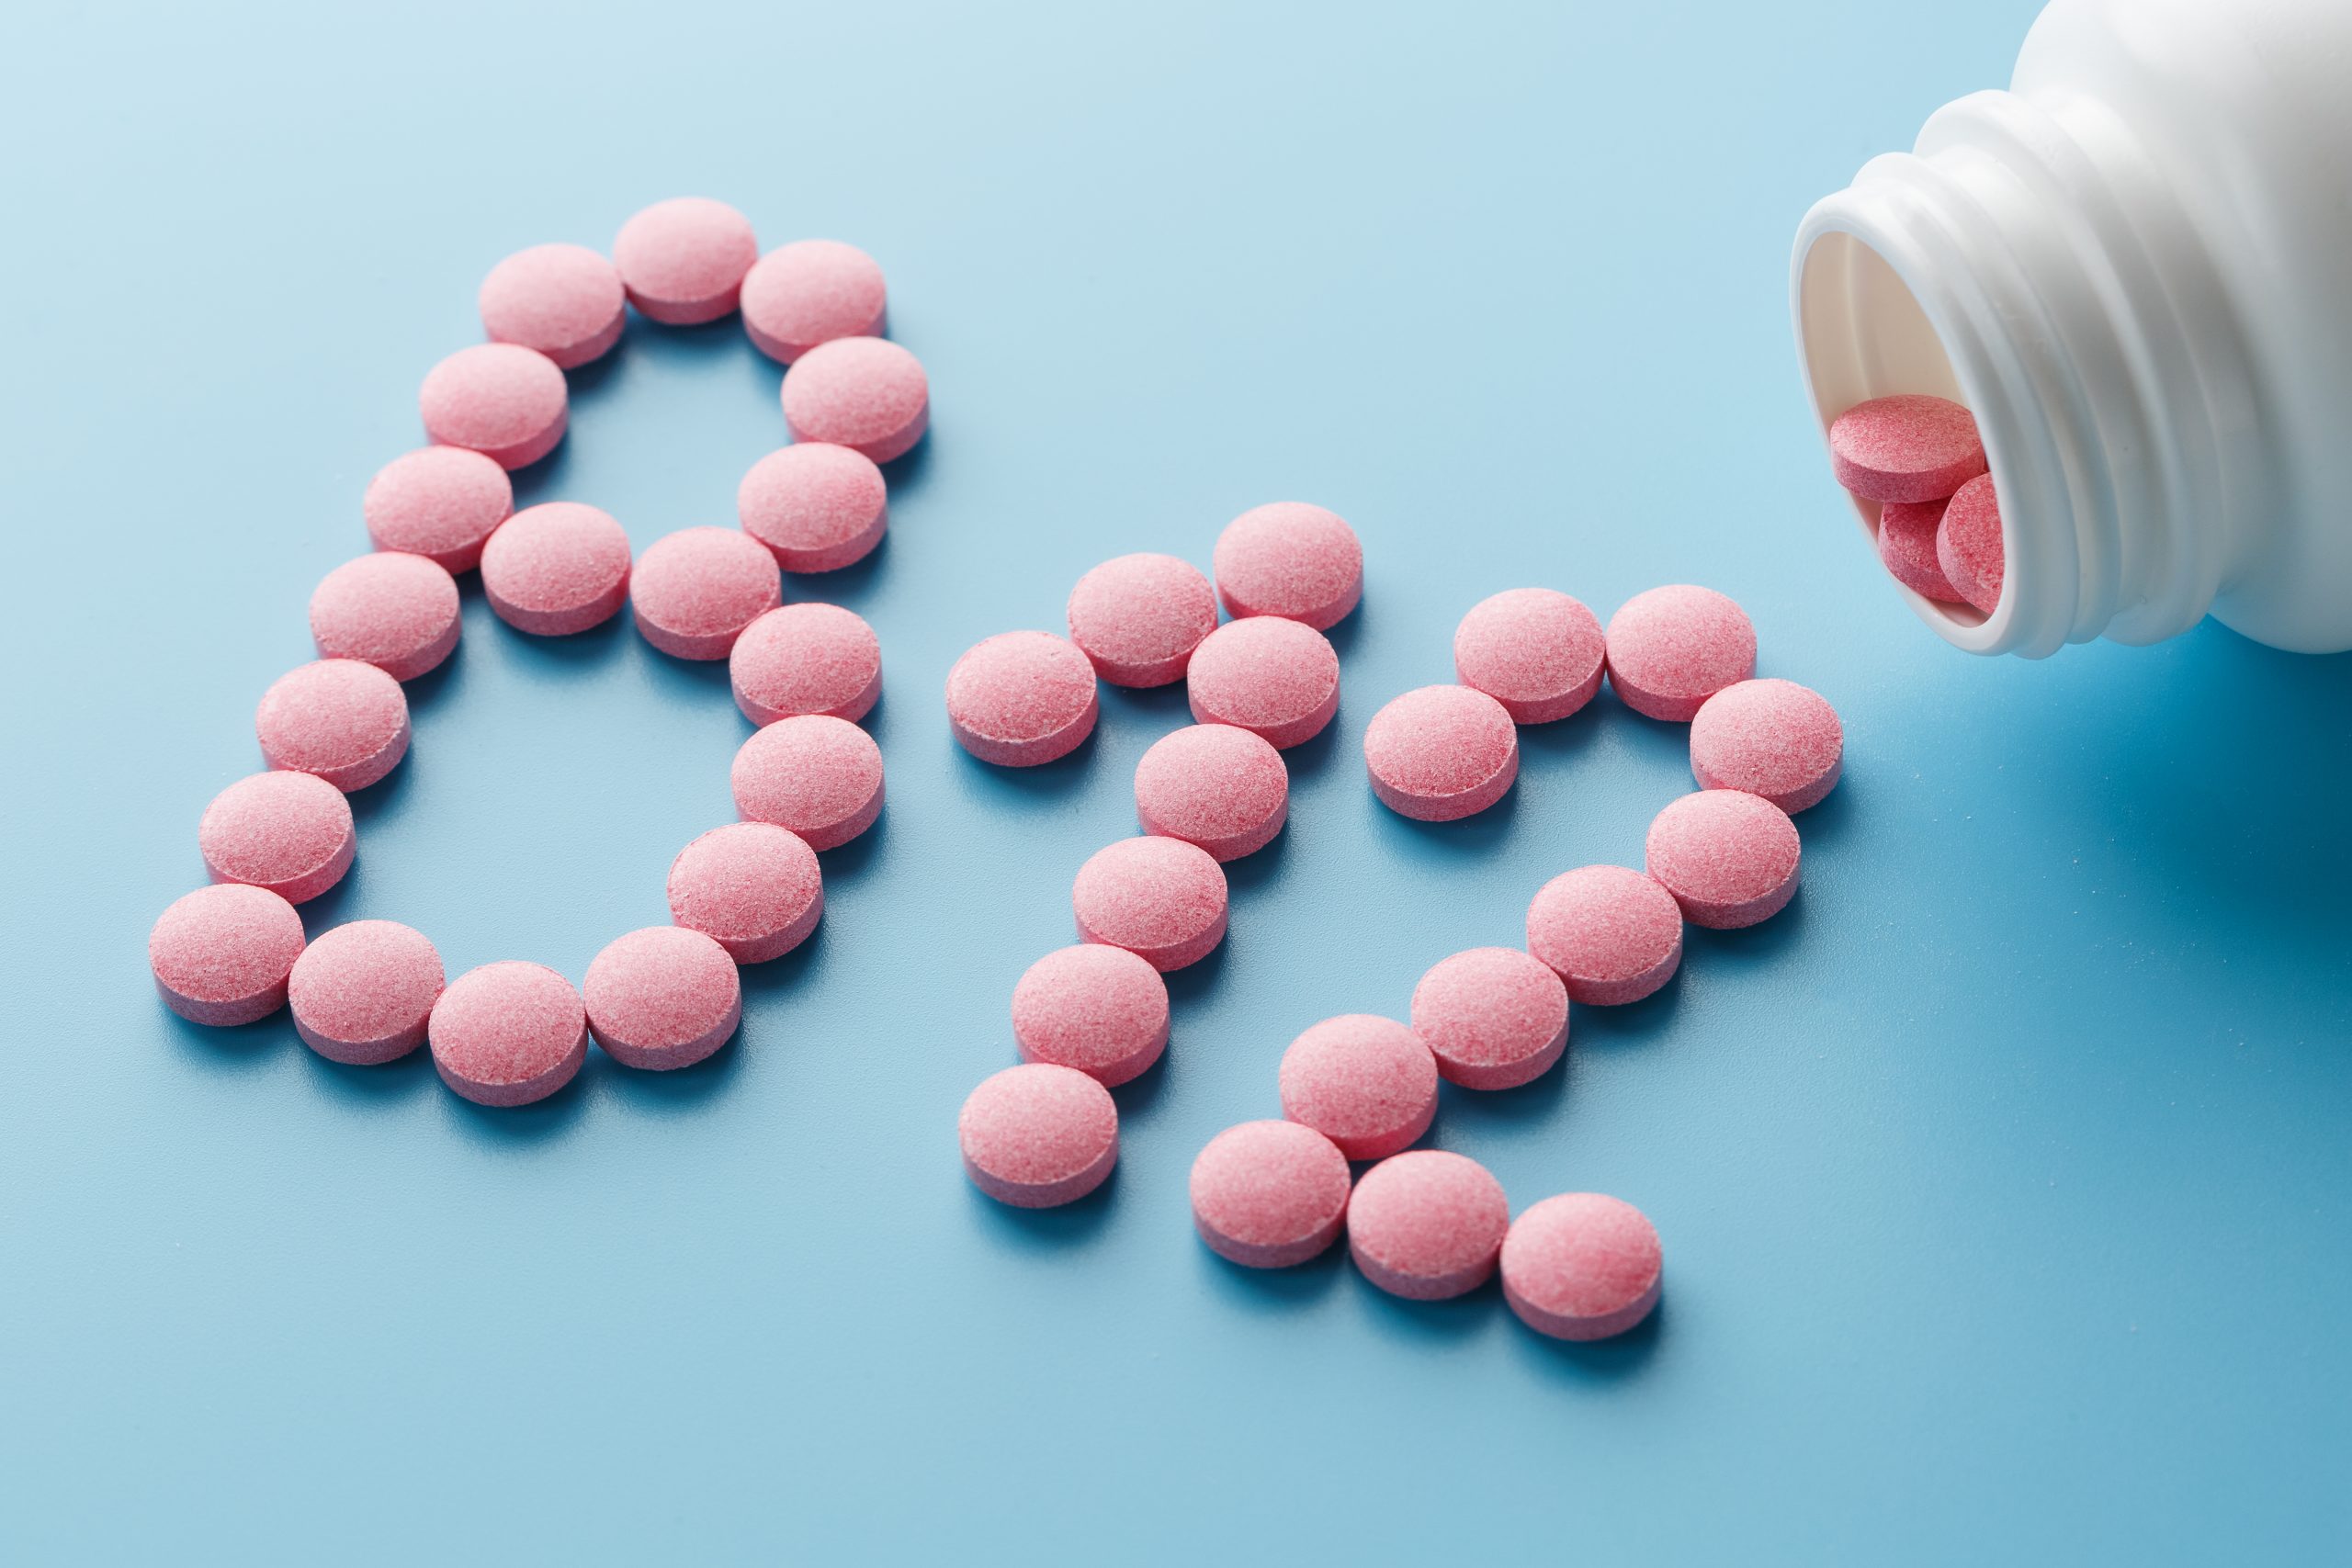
<point>806,658</point>
<point>508,1033</point>
<point>1162,899</point>
<point>1368,1084</point>
<point>1270,1195</point>
<point>662,998</point>
<point>683,261</point>
<point>503,400</point>
<point>1426,1225</point>
<point>1021,698</point>
<point>221,954</point>
<point>1291,560</point>
<point>1100,1009</point>
<point>695,590</point>
<point>1905,448</point>
<point>1969,545</point>
<point>1671,648</point>
<point>808,292</point>
<point>1440,753</point>
<point>339,718</point>
<point>564,301</point>
<point>866,393</point>
<point>1278,679</point>
<point>1612,934</point>
<point>1493,1016</point>
<point>1774,738</point>
<point>1582,1266</point>
<point>1211,784</point>
<point>1038,1136</point>
<point>362,992</point>
<point>1535,650</point>
<point>815,506</point>
<point>752,887</point>
<point>440,503</point>
<point>395,611</point>
<point>1906,547</point>
<point>556,568</point>
<point>1729,857</point>
<point>1139,618</point>
<point>291,832</point>
<point>817,775</point>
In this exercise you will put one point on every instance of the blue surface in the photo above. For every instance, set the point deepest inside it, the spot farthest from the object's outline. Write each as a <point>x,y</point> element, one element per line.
<point>2003,1178</point>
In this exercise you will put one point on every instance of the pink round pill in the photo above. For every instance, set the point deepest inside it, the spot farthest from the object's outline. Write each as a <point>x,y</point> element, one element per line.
<point>1535,650</point>
<point>866,393</point>
<point>1905,448</point>
<point>818,776</point>
<point>1440,753</point>
<point>752,887</point>
<point>564,301</point>
<point>1291,560</point>
<point>395,611</point>
<point>1612,934</point>
<point>1038,1136</point>
<point>1213,785</point>
<point>508,1033</point>
<point>362,992</point>
<point>695,590</point>
<point>1368,1084</point>
<point>1162,899</point>
<point>440,503</point>
<point>808,292</point>
<point>1100,1009</point>
<point>504,401</point>
<point>346,721</point>
<point>1906,547</point>
<point>221,954</point>
<point>1729,857</point>
<point>1582,1266</point>
<point>662,998</point>
<point>1139,618</point>
<point>683,261</point>
<point>1774,738</point>
<point>1969,545</point>
<point>291,832</point>
<point>1493,1016</point>
<point>1671,648</point>
<point>1277,679</point>
<point>1426,1225</point>
<point>806,658</point>
<point>556,568</point>
<point>1022,698</point>
<point>1270,1195</point>
<point>815,506</point>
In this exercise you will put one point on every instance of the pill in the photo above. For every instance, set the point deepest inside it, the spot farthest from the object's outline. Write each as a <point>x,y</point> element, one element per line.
<point>1671,648</point>
<point>1427,1224</point>
<point>1291,560</point>
<point>1770,737</point>
<point>440,503</point>
<point>1139,618</point>
<point>1969,544</point>
<point>346,721</point>
<point>1270,1195</point>
<point>815,506</point>
<point>291,832</point>
<point>808,292</point>
<point>752,887</point>
<point>818,776</point>
<point>503,400</point>
<point>1162,899</point>
<point>1729,857</point>
<point>1906,547</point>
<point>221,954</point>
<point>508,1033</point>
<point>661,997</point>
<point>1213,785</point>
<point>1581,1266</point>
<point>1037,1135</point>
<point>866,393</point>
<point>1905,448</point>
<point>1368,1084</point>
<point>1022,698</point>
<point>695,590</point>
<point>1440,753</point>
<point>1537,652</point>
<point>806,658</point>
<point>1100,1009</point>
<point>361,993</point>
<point>1612,934</point>
<point>395,611</point>
<point>555,568</point>
<point>564,301</point>
<point>1278,679</point>
<point>1493,1016</point>
<point>684,260</point>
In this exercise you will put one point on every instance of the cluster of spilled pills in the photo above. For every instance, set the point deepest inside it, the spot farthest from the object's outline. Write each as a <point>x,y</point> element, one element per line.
<point>1938,522</point>
<point>808,779</point>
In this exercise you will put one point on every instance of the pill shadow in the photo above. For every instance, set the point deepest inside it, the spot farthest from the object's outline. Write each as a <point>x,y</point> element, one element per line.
<point>1193,982</point>
<point>237,1048</point>
<point>1589,1363</point>
<point>1476,1110</point>
<point>1259,866</point>
<point>1046,785</point>
<point>1344,636</point>
<point>1155,704</point>
<point>1432,1325</point>
<point>909,474</point>
<point>1051,1230</point>
<point>1471,839</point>
<point>1312,758</point>
<point>1270,1293</point>
<point>1563,742</point>
<point>846,864</point>
<point>785,972</point>
<point>1601,1028</point>
<point>853,587</point>
<point>1765,943</point>
<point>1141,1097</point>
<point>675,1091</point>
<point>383,1084</point>
<point>522,1126</point>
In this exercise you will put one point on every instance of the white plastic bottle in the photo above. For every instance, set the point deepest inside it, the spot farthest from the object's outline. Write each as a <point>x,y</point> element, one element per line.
<point>2135,266</point>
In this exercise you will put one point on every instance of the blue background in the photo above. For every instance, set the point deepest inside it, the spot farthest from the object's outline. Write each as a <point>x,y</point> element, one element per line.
<point>2003,1178</point>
